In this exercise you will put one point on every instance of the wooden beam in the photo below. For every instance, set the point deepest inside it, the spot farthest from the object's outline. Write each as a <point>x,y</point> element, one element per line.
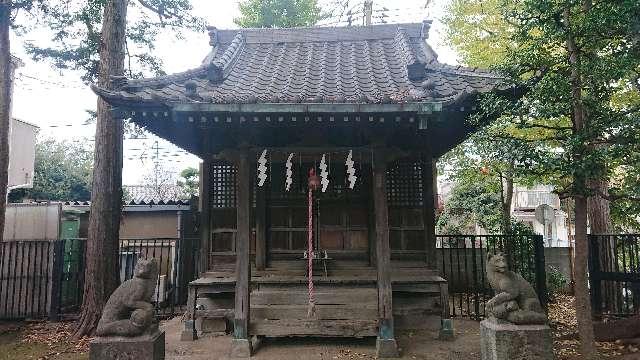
<point>261,227</point>
<point>385,344</point>
<point>205,213</point>
<point>241,346</point>
<point>429,203</point>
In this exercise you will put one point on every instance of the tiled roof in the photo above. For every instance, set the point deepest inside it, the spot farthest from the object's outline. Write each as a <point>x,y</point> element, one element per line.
<point>368,64</point>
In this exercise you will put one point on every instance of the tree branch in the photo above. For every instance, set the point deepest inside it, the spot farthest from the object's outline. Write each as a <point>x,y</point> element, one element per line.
<point>541,126</point>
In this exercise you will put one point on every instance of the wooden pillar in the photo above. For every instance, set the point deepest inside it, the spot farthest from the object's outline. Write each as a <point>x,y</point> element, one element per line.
<point>261,227</point>
<point>205,213</point>
<point>386,345</point>
<point>429,203</point>
<point>240,344</point>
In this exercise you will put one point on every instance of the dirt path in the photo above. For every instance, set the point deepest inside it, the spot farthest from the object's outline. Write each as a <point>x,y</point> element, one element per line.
<point>421,345</point>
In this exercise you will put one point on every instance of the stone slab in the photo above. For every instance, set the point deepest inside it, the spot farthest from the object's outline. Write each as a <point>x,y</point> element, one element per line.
<point>386,349</point>
<point>506,341</point>
<point>240,348</point>
<point>145,347</point>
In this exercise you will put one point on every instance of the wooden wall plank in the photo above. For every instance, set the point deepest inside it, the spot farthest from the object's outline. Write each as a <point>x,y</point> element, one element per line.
<point>341,296</point>
<point>323,312</point>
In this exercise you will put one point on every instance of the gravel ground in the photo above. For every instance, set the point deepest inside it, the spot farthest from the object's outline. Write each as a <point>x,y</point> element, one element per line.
<point>414,345</point>
<point>42,340</point>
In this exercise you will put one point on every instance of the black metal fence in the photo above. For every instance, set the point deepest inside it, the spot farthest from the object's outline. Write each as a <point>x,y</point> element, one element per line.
<point>41,279</point>
<point>462,261</point>
<point>26,279</point>
<point>614,274</point>
<point>46,278</point>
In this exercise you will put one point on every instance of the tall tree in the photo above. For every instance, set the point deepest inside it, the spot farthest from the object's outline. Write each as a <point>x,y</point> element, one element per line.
<point>77,44</point>
<point>106,197</point>
<point>5,104</point>
<point>573,58</point>
<point>481,34</point>
<point>278,13</point>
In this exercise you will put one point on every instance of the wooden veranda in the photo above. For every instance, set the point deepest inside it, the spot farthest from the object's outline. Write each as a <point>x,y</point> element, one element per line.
<point>268,104</point>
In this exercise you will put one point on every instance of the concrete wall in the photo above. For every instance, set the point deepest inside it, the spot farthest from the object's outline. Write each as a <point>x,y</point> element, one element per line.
<point>32,222</point>
<point>149,225</point>
<point>558,258</point>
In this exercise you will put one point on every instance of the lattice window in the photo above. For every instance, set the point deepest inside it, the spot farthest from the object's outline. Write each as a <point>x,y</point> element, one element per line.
<point>223,184</point>
<point>404,183</point>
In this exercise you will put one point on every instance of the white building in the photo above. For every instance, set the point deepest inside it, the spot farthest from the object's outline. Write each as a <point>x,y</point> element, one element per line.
<point>22,152</point>
<point>22,146</point>
<point>523,207</point>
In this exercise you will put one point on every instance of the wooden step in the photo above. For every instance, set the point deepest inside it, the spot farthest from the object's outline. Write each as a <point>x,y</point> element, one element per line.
<point>306,327</point>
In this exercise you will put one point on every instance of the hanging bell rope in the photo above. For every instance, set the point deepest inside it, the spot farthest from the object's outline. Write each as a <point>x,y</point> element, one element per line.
<point>314,183</point>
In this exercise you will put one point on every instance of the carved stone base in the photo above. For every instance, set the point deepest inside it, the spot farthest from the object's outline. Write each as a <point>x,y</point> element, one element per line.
<point>145,347</point>
<point>240,348</point>
<point>188,332</point>
<point>505,341</point>
<point>386,348</point>
<point>446,330</point>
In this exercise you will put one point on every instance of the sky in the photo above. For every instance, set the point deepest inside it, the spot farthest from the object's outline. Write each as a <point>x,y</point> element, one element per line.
<point>57,101</point>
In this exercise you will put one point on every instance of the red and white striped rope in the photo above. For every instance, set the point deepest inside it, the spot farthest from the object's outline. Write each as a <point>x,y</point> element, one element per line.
<point>312,301</point>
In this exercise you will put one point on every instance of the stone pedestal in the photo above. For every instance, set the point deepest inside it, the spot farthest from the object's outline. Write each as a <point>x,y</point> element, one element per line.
<point>386,349</point>
<point>240,348</point>
<point>145,347</point>
<point>506,341</point>
<point>446,330</point>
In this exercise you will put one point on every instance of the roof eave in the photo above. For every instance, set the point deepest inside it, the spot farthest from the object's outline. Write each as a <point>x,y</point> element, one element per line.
<point>417,107</point>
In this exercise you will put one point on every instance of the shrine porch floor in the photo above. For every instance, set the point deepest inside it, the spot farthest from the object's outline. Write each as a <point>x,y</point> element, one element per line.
<point>346,302</point>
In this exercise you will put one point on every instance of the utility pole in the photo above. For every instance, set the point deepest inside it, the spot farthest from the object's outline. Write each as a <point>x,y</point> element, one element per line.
<point>368,10</point>
<point>6,80</point>
<point>156,165</point>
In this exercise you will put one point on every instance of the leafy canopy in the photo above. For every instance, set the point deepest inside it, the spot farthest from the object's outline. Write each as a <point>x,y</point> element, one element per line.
<point>278,13</point>
<point>527,40</point>
<point>74,27</point>
<point>63,172</point>
<point>189,181</point>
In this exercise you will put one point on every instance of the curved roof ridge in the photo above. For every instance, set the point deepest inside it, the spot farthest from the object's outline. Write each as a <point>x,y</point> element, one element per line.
<point>435,65</point>
<point>200,71</point>
<point>323,33</point>
<point>220,67</point>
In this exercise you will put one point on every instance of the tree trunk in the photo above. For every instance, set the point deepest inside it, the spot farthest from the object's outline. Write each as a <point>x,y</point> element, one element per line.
<point>579,119</point>
<point>507,197</point>
<point>5,105</point>
<point>599,213</point>
<point>101,272</point>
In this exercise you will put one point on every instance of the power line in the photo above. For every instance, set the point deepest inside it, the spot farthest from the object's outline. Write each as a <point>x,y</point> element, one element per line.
<point>21,76</point>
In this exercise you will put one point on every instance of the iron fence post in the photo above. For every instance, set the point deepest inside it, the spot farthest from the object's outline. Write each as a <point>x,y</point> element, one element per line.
<point>594,274</point>
<point>541,274</point>
<point>56,280</point>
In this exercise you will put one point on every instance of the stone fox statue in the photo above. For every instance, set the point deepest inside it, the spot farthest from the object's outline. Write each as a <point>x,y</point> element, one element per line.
<point>515,299</point>
<point>128,311</point>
